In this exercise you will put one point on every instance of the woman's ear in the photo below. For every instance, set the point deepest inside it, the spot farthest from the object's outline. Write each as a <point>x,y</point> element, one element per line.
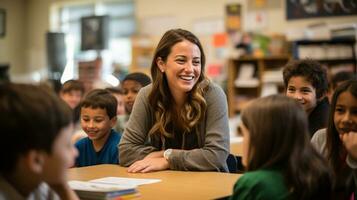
<point>35,160</point>
<point>161,64</point>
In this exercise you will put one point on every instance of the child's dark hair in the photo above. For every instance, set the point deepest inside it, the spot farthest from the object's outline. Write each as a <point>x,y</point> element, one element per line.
<point>31,118</point>
<point>313,71</point>
<point>335,149</point>
<point>71,85</point>
<point>101,98</point>
<point>341,77</point>
<point>115,90</point>
<point>284,143</point>
<point>139,77</point>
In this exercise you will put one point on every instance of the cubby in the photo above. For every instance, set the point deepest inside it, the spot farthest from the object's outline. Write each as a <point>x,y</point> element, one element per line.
<point>336,54</point>
<point>265,76</point>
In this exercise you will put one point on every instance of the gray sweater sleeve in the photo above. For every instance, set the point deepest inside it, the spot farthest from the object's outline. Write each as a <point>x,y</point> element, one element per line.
<point>213,135</point>
<point>132,146</point>
<point>318,141</point>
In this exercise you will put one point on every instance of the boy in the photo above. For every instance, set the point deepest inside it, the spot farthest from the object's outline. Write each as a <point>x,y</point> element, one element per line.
<point>119,95</point>
<point>338,79</point>
<point>131,85</point>
<point>98,116</point>
<point>35,148</point>
<point>306,81</point>
<point>72,92</point>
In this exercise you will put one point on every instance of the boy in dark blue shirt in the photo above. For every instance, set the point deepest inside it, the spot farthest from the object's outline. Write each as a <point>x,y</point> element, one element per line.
<point>98,116</point>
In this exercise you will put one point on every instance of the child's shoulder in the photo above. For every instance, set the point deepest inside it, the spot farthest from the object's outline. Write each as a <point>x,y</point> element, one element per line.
<point>83,142</point>
<point>263,178</point>
<point>266,184</point>
<point>113,138</point>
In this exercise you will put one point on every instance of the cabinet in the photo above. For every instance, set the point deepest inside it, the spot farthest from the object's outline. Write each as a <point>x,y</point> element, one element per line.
<point>251,77</point>
<point>336,54</point>
<point>142,54</point>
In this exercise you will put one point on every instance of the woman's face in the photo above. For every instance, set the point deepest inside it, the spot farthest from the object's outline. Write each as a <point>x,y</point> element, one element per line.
<point>182,67</point>
<point>244,132</point>
<point>345,113</point>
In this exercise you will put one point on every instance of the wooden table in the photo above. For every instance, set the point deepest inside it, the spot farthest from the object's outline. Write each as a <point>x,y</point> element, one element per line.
<point>174,184</point>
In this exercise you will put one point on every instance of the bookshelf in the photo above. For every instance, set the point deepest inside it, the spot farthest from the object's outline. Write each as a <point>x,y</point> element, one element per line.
<point>251,77</point>
<point>142,53</point>
<point>336,54</point>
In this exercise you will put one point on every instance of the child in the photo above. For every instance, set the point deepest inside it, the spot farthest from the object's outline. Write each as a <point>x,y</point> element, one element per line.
<point>98,116</point>
<point>119,95</point>
<point>35,148</point>
<point>342,121</point>
<point>337,79</point>
<point>306,82</point>
<point>72,92</point>
<point>131,85</point>
<point>280,161</point>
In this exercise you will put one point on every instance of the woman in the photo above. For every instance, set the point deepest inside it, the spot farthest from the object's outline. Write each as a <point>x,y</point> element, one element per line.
<point>280,161</point>
<point>180,122</point>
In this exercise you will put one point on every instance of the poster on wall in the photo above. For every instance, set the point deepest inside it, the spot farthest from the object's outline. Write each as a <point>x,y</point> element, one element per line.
<point>233,17</point>
<point>94,32</point>
<point>2,22</point>
<point>301,9</point>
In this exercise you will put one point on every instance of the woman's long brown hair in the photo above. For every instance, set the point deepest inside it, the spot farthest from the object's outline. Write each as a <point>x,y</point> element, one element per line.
<point>160,97</point>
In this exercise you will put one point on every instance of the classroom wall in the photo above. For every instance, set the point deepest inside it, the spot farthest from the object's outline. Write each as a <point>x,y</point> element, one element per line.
<point>28,21</point>
<point>13,44</point>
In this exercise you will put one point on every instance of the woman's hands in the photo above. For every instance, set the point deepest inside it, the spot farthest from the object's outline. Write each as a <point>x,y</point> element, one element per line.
<point>154,161</point>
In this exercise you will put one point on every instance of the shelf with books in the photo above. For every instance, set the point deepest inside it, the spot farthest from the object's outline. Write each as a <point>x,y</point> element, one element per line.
<point>336,54</point>
<point>142,53</point>
<point>251,77</point>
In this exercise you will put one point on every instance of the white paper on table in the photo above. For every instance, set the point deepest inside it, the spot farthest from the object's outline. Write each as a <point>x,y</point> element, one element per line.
<point>125,181</point>
<point>99,187</point>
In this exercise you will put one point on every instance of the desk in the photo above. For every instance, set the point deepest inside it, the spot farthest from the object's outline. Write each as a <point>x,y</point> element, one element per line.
<point>174,184</point>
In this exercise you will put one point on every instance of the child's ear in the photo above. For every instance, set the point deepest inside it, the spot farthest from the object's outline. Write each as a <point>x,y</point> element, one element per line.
<point>161,64</point>
<point>113,121</point>
<point>35,160</point>
<point>322,97</point>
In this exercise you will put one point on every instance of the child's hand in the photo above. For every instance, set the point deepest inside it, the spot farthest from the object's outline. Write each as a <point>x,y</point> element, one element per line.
<point>149,164</point>
<point>350,142</point>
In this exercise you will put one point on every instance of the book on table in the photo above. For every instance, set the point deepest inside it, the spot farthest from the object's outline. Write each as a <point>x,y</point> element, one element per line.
<point>109,188</point>
<point>92,190</point>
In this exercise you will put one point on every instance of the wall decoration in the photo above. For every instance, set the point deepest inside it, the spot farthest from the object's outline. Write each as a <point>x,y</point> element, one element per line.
<point>94,32</point>
<point>300,9</point>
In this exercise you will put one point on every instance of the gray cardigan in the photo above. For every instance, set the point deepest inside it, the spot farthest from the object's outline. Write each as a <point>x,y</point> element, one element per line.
<point>213,140</point>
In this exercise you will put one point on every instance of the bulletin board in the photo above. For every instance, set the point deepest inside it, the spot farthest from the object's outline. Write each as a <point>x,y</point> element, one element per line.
<point>302,9</point>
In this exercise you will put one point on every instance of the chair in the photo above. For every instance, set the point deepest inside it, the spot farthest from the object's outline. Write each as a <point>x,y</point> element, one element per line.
<point>234,164</point>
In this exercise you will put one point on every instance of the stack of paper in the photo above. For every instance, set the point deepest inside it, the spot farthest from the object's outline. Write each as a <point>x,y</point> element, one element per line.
<point>92,190</point>
<point>109,188</point>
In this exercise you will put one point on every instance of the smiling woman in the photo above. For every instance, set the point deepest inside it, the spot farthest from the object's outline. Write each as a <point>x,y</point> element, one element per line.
<point>179,122</point>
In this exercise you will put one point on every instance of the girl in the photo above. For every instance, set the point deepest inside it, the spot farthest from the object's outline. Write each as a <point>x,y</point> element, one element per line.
<point>280,161</point>
<point>342,121</point>
<point>179,122</point>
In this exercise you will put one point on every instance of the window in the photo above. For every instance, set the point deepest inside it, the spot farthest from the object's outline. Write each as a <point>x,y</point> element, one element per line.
<point>121,26</point>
